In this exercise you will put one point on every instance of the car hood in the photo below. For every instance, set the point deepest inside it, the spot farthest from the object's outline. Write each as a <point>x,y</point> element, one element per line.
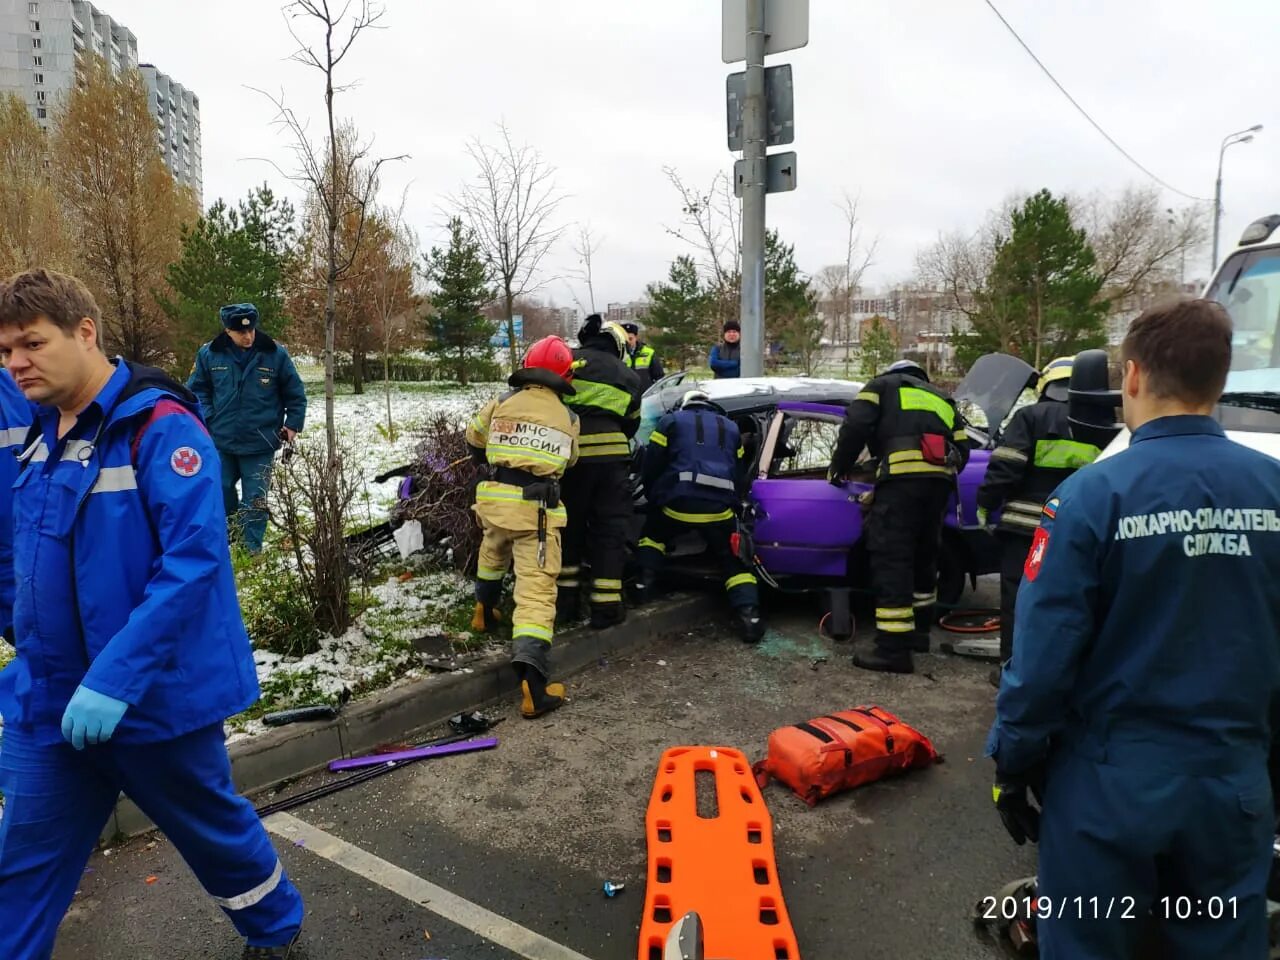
<point>993,385</point>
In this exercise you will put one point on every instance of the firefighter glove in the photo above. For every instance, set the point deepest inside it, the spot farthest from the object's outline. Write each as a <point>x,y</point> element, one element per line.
<point>1020,818</point>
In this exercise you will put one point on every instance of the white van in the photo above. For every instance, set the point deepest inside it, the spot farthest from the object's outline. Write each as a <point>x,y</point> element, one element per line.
<point>1248,285</point>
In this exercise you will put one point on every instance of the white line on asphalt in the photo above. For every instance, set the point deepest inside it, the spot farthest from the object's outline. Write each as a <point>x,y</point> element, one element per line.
<point>455,909</point>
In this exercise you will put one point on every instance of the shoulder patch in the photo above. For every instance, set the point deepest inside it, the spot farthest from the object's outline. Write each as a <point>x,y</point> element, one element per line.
<point>186,461</point>
<point>1051,507</point>
<point>1035,556</point>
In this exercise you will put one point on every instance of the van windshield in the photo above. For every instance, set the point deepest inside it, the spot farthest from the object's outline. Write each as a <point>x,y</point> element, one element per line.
<point>1248,285</point>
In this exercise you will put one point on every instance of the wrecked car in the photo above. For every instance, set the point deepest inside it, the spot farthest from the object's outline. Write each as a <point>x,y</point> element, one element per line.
<point>805,533</point>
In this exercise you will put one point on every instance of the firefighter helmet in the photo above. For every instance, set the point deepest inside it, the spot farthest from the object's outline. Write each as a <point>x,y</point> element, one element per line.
<point>553,354</point>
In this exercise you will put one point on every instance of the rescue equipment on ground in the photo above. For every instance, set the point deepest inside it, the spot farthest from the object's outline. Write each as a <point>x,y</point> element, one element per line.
<point>720,866</point>
<point>417,753</point>
<point>843,750</point>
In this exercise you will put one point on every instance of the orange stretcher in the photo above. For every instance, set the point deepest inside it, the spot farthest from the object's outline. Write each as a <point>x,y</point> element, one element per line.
<point>719,864</point>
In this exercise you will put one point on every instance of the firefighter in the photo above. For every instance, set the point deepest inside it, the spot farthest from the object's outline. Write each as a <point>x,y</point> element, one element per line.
<point>1036,453</point>
<point>597,490</point>
<point>641,357</point>
<point>1146,666</point>
<point>528,438</point>
<point>692,476</point>
<point>912,428</point>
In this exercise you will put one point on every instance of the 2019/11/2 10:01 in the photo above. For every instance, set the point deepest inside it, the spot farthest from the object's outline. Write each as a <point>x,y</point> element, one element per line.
<point>1105,908</point>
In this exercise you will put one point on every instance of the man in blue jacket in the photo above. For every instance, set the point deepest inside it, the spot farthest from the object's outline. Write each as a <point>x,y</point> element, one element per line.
<point>1146,663</point>
<point>15,422</point>
<point>253,400</point>
<point>130,647</point>
<point>725,359</point>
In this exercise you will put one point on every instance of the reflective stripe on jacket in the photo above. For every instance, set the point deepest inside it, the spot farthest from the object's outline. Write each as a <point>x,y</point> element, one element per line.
<point>606,399</point>
<point>908,424</point>
<point>693,454</point>
<point>1036,453</point>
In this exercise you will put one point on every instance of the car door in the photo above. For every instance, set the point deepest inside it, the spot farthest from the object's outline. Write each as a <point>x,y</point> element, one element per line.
<point>804,526</point>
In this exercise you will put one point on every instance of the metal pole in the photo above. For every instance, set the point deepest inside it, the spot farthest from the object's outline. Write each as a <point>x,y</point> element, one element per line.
<point>753,194</point>
<point>1217,208</point>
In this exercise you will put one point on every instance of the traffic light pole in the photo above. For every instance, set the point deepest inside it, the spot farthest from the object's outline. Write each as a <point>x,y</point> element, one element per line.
<point>753,195</point>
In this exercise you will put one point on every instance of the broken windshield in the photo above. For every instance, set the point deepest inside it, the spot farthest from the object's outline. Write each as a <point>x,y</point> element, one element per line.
<point>1248,285</point>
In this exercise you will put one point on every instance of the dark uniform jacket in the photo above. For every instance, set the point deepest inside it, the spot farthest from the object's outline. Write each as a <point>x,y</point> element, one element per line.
<point>1035,455</point>
<point>606,399</point>
<point>693,454</point>
<point>645,362</point>
<point>908,424</point>
<point>246,404</point>
<point>1148,631</point>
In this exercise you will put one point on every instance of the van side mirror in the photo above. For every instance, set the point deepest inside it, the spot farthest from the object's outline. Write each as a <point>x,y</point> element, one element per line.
<point>1091,403</point>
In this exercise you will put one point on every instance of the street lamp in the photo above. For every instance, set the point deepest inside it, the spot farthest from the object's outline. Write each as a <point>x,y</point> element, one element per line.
<point>1240,136</point>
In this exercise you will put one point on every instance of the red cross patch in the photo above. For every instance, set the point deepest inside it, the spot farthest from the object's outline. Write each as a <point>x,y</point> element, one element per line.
<point>186,462</point>
<point>1035,556</point>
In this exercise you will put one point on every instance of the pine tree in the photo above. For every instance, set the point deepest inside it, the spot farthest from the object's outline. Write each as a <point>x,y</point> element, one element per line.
<point>879,347</point>
<point>239,255</point>
<point>790,305</point>
<point>459,332</point>
<point>1041,298</point>
<point>679,316</point>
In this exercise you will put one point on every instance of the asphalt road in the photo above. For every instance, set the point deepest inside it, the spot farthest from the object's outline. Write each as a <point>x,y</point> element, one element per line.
<point>531,830</point>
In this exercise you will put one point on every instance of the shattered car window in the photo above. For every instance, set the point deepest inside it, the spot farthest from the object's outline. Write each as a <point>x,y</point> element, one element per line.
<point>806,447</point>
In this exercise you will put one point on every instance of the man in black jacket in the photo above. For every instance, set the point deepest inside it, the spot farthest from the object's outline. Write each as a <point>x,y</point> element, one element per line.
<point>1036,453</point>
<point>913,430</point>
<point>596,491</point>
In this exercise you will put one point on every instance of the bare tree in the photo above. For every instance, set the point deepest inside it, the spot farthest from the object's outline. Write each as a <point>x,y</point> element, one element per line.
<point>343,182</point>
<point>712,225</point>
<point>841,282</point>
<point>511,208</point>
<point>1139,242</point>
<point>393,295</point>
<point>585,247</point>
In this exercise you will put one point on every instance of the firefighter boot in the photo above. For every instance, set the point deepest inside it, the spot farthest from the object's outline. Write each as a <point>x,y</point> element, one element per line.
<point>605,615</point>
<point>485,618</point>
<point>882,658</point>
<point>752,624</point>
<point>645,587</point>
<point>537,697</point>
<point>924,618</point>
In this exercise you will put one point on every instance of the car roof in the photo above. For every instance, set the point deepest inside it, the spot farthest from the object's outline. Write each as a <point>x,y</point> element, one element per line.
<point>745,394</point>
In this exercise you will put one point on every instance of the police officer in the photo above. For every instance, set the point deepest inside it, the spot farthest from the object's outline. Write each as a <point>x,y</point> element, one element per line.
<point>597,492</point>
<point>641,357</point>
<point>1145,666</point>
<point>692,476</point>
<point>253,400</point>
<point>913,430</point>
<point>130,647</point>
<point>529,439</point>
<point>1036,453</point>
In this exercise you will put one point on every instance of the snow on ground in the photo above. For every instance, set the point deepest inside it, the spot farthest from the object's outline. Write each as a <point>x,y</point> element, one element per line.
<point>362,427</point>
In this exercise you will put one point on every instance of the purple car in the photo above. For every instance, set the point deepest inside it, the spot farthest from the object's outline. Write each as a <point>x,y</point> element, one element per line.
<point>807,533</point>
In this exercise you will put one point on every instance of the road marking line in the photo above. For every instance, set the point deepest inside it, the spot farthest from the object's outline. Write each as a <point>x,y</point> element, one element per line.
<point>450,906</point>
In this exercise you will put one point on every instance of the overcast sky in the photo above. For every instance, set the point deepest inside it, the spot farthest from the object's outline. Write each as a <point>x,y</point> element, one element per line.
<point>925,109</point>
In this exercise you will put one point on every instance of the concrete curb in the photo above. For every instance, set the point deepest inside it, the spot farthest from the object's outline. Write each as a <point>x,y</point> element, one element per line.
<point>289,752</point>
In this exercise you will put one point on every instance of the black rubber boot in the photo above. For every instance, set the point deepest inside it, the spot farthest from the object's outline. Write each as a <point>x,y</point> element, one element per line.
<point>645,588</point>
<point>605,615</point>
<point>538,698</point>
<point>872,656</point>
<point>752,624</point>
<point>568,608</point>
<point>919,642</point>
<point>270,953</point>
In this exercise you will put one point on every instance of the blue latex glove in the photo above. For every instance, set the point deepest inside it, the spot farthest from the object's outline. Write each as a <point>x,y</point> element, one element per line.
<point>91,717</point>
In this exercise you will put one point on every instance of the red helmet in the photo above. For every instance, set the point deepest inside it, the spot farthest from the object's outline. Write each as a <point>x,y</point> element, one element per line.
<point>553,354</point>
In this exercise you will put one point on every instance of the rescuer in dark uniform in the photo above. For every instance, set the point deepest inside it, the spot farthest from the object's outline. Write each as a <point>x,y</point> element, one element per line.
<point>914,432</point>
<point>596,491</point>
<point>1146,666</point>
<point>1036,453</point>
<point>693,478</point>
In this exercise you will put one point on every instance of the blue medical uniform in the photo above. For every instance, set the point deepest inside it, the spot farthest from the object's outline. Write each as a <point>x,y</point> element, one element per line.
<point>124,585</point>
<point>1145,666</point>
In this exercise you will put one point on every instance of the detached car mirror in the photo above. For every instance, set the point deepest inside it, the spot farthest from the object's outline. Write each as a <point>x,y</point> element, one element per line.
<point>1091,403</point>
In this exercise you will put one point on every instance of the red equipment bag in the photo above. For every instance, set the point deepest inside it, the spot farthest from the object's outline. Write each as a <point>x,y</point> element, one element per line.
<point>842,751</point>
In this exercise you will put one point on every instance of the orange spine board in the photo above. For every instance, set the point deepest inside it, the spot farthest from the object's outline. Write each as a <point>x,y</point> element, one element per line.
<point>722,867</point>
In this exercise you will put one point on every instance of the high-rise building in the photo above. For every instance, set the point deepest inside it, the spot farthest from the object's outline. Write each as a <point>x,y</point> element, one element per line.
<point>41,43</point>
<point>177,112</point>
